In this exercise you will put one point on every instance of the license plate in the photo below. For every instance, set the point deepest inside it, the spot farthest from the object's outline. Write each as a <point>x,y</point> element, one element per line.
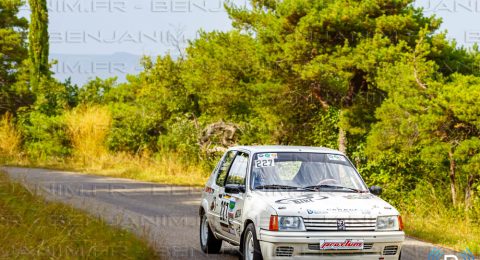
<point>347,244</point>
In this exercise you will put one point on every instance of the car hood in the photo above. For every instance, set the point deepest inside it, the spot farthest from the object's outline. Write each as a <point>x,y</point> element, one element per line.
<point>326,204</point>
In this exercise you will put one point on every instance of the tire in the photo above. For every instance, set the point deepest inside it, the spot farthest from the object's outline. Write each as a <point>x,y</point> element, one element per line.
<point>249,244</point>
<point>208,242</point>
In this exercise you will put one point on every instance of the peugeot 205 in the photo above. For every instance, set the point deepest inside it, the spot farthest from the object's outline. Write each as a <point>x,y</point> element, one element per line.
<point>280,202</point>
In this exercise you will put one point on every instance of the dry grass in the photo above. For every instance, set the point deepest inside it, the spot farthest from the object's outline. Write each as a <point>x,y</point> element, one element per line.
<point>10,138</point>
<point>88,127</point>
<point>167,169</point>
<point>431,218</point>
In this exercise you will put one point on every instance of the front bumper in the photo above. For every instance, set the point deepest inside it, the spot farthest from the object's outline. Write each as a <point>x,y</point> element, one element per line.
<point>305,245</point>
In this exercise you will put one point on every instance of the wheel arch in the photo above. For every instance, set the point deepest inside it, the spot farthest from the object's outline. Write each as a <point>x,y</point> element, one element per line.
<point>203,206</point>
<point>245,224</point>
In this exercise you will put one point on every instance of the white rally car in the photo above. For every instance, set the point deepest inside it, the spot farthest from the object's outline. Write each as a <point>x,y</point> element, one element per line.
<point>281,202</point>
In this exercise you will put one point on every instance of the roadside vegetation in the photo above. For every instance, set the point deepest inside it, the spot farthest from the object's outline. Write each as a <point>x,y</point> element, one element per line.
<point>36,229</point>
<point>374,79</point>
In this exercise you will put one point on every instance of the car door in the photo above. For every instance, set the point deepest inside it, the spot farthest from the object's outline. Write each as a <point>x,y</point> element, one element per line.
<point>217,206</point>
<point>231,213</point>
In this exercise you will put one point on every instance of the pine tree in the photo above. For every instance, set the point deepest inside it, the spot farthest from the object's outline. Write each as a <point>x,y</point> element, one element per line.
<point>13,51</point>
<point>327,54</point>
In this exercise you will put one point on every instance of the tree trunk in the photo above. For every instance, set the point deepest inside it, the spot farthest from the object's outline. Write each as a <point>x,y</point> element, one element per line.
<point>342,140</point>
<point>357,84</point>
<point>468,192</point>
<point>453,190</point>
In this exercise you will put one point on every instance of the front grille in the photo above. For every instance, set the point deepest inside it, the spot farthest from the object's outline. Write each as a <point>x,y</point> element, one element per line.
<point>330,224</point>
<point>284,251</point>
<point>390,250</point>
<point>366,246</point>
<point>343,254</point>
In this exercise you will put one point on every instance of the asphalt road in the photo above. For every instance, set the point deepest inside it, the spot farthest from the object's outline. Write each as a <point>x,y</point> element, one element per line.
<point>166,215</point>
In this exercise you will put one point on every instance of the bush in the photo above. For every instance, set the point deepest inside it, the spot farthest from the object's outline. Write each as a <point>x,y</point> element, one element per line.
<point>181,137</point>
<point>134,129</point>
<point>44,136</point>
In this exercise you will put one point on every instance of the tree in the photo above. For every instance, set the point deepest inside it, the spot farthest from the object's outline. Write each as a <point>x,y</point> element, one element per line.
<point>459,101</point>
<point>13,51</point>
<point>431,117</point>
<point>225,73</point>
<point>142,109</point>
<point>38,42</point>
<point>327,53</point>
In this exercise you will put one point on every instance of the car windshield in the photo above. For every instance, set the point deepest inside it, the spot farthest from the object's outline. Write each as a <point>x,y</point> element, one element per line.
<point>305,171</point>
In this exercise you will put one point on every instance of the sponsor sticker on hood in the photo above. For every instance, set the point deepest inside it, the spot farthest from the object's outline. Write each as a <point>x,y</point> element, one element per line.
<point>359,196</point>
<point>348,244</point>
<point>301,199</point>
<point>337,211</point>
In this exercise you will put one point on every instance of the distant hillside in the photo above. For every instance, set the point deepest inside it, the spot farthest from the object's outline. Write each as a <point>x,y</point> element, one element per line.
<point>81,68</point>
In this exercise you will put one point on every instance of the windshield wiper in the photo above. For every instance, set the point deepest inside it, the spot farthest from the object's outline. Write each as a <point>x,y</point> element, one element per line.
<point>277,186</point>
<point>317,187</point>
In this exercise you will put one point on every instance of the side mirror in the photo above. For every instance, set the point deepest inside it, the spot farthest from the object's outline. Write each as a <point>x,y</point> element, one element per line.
<point>234,188</point>
<point>376,190</point>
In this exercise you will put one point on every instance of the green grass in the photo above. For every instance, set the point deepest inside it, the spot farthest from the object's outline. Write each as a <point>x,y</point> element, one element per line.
<point>33,228</point>
<point>451,232</point>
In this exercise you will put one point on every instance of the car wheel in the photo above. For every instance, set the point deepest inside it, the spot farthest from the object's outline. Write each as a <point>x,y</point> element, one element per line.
<point>251,246</point>
<point>208,242</point>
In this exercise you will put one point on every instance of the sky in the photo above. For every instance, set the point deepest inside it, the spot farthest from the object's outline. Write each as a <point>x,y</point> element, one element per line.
<point>105,37</point>
<point>139,27</point>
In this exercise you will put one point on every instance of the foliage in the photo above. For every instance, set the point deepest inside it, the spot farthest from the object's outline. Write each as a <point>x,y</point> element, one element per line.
<point>95,91</point>
<point>134,128</point>
<point>181,136</point>
<point>141,107</point>
<point>53,97</point>
<point>325,128</point>
<point>44,136</point>
<point>227,76</point>
<point>13,52</point>
<point>431,117</point>
<point>38,42</point>
<point>327,53</point>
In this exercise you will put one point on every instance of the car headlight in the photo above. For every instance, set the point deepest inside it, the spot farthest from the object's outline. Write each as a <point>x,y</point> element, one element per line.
<point>388,223</point>
<point>290,224</point>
